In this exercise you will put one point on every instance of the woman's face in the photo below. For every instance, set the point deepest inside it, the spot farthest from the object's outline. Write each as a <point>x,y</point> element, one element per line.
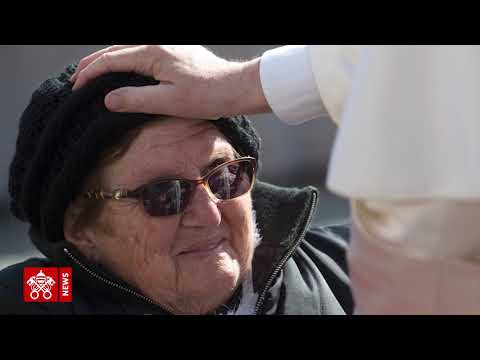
<point>191,262</point>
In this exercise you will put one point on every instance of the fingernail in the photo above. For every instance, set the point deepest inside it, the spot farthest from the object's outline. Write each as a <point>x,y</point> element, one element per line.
<point>113,101</point>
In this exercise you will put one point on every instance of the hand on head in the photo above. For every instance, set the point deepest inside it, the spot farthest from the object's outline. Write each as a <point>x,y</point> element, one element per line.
<point>194,82</point>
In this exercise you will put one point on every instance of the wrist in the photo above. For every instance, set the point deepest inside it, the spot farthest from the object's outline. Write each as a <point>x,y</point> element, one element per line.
<point>245,89</point>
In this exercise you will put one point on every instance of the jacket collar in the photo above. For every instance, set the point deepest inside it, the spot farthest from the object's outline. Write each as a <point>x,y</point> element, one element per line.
<point>283,215</point>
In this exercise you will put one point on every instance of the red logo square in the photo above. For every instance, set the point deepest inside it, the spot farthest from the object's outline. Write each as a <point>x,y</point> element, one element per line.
<point>40,284</point>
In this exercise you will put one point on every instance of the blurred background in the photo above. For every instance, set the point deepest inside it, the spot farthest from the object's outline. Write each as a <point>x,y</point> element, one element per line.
<point>292,156</point>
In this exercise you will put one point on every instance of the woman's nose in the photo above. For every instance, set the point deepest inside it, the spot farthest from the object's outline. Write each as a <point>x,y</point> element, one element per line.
<point>202,209</point>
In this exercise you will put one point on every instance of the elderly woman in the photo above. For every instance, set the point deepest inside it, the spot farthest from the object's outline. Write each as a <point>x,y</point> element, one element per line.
<point>159,215</point>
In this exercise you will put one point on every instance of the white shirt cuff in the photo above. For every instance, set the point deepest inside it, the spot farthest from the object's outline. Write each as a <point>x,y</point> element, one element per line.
<point>289,84</point>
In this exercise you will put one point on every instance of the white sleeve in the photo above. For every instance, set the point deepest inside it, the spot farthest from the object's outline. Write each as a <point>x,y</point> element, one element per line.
<point>334,67</point>
<point>303,82</point>
<point>289,84</point>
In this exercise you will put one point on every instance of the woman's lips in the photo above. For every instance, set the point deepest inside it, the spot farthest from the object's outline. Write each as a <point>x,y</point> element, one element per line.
<point>210,246</point>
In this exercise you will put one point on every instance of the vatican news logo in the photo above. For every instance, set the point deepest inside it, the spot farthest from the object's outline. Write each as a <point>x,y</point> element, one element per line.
<point>47,284</point>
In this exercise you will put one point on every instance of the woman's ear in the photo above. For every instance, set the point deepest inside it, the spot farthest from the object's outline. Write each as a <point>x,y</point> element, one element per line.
<point>79,234</point>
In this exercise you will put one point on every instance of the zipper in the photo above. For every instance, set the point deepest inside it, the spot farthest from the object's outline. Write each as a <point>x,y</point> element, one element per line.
<point>282,262</point>
<point>114,284</point>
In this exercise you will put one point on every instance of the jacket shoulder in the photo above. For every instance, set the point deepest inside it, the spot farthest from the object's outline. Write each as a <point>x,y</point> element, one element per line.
<point>332,240</point>
<point>10,275</point>
<point>326,247</point>
<point>11,289</point>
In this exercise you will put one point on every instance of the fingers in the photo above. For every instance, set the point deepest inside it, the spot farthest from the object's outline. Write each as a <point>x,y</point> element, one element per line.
<point>123,60</point>
<point>155,99</point>
<point>88,59</point>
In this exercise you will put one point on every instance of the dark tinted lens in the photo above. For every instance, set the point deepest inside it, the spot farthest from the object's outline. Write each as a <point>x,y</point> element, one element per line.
<point>166,197</point>
<point>231,181</point>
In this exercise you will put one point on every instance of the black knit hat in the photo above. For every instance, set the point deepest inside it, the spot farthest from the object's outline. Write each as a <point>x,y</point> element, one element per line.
<point>60,137</point>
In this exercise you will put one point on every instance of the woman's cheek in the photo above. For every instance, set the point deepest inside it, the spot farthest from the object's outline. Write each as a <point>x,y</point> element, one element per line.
<point>155,239</point>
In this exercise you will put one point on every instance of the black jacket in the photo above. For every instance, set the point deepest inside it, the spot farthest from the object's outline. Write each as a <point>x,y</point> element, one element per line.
<point>297,269</point>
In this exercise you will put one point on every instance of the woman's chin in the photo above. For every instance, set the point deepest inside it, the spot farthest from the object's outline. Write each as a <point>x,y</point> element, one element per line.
<point>203,281</point>
<point>210,289</point>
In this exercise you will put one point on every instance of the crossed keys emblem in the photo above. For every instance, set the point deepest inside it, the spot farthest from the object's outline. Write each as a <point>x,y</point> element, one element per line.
<point>42,283</point>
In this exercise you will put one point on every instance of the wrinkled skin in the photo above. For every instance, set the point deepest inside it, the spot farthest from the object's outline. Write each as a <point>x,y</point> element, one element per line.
<point>170,259</point>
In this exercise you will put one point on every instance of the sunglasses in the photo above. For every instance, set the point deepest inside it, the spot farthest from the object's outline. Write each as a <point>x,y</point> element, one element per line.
<point>165,197</point>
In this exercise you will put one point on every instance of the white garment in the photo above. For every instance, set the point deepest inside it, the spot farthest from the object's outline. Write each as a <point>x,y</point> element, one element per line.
<point>406,154</point>
<point>411,128</point>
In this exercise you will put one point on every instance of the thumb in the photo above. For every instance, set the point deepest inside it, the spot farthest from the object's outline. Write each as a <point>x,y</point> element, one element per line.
<point>153,99</point>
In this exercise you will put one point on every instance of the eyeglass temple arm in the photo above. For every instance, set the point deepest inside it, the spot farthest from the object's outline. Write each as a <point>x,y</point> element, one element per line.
<point>115,195</point>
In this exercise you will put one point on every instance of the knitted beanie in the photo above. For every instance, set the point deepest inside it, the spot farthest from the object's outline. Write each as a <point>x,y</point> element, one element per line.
<point>61,135</point>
